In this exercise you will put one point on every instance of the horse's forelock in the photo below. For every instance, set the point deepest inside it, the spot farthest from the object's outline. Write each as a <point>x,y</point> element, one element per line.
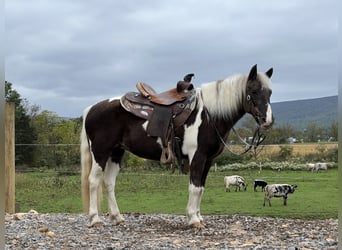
<point>265,80</point>
<point>224,97</point>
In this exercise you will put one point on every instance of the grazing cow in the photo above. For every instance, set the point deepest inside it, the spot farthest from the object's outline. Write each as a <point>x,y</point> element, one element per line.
<point>259,183</point>
<point>235,180</point>
<point>319,166</point>
<point>310,166</point>
<point>278,190</point>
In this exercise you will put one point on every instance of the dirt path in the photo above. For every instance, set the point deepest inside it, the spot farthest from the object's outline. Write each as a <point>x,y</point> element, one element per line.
<point>154,231</point>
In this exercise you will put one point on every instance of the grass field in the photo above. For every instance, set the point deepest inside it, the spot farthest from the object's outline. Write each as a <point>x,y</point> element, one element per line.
<point>162,192</point>
<point>299,149</point>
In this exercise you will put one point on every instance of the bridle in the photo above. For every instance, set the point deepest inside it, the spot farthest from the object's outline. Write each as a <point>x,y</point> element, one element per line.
<point>254,110</point>
<point>257,139</point>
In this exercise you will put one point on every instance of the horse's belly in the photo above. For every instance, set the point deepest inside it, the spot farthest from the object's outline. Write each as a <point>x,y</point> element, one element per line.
<point>146,147</point>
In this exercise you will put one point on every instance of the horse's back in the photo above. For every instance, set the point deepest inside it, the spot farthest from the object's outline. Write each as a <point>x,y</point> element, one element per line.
<point>103,121</point>
<point>109,126</point>
<point>102,111</point>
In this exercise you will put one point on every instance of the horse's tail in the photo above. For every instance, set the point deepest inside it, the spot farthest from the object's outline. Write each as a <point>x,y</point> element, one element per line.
<point>86,163</point>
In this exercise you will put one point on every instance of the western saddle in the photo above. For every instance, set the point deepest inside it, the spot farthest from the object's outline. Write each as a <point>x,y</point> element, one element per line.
<point>164,111</point>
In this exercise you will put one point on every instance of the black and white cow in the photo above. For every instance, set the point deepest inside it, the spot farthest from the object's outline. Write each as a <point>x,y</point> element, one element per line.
<point>278,190</point>
<point>259,183</point>
<point>235,180</point>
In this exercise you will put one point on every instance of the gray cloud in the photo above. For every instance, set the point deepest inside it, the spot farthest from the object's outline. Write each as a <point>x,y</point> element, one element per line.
<point>66,55</point>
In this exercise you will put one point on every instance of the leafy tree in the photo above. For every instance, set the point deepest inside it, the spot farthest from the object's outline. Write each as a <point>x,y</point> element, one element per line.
<point>280,134</point>
<point>59,138</point>
<point>68,133</point>
<point>333,131</point>
<point>24,132</point>
<point>285,152</point>
<point>244,131</point>
<point>249,124</point>
<point>45,124</point>
<point>313,132</point>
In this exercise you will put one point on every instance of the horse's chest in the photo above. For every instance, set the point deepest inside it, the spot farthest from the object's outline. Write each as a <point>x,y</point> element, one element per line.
<point>191,133</point>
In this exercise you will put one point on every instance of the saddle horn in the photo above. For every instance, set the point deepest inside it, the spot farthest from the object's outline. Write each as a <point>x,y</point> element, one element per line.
<point>185,85</point>
<point>188,77</point>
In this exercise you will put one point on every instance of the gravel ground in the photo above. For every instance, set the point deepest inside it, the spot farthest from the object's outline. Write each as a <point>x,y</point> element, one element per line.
<point>159,231</point>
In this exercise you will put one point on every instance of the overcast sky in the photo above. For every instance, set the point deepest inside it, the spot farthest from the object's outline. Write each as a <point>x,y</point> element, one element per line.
<point>66,55</point>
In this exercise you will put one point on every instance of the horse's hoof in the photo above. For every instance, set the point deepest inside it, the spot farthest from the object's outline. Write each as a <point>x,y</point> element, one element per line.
<point>117,220</point>
<point>197,225</point>
<point>120,223</point>
<point>96,224</point>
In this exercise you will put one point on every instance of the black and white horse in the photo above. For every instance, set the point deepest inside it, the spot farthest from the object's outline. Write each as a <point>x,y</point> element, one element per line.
<point>109,130</point>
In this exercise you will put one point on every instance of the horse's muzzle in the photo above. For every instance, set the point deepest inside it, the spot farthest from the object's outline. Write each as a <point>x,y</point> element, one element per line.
<point>268,120</point>
<point>267,124</point>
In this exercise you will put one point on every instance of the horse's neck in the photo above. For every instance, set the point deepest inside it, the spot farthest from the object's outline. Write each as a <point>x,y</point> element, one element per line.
<point>227,125</point>
<point>224,125</point>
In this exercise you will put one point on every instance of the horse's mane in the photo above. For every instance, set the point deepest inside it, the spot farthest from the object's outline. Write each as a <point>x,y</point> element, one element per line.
<point>223,98</point>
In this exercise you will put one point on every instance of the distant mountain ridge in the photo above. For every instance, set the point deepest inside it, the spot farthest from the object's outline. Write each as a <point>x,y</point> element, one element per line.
<point>300,113</point>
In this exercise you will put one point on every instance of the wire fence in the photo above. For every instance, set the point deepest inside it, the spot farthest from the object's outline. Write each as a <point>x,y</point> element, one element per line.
<point>64,159</point>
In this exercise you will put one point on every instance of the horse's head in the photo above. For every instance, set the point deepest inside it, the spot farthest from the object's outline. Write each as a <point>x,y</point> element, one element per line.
<point>257,99</point>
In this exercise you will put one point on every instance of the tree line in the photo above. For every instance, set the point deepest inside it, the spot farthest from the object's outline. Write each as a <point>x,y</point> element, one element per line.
<point>286,133</point>
<point>44,139</point>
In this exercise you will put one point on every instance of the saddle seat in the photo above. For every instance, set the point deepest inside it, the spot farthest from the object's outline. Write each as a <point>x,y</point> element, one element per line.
<point>168,97</point>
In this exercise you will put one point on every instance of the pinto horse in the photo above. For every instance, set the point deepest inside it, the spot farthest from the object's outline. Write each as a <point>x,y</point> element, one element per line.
<point>108,130</point>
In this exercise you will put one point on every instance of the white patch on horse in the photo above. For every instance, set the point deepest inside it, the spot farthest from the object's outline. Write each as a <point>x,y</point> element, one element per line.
<point>193,207</point>
<point>144,125</point>
<point>111,172</point>
<point>159,141</point>
<point>269,118</point>
<point>191,133</point>
<point>95,179</point>
<point>114,98</point>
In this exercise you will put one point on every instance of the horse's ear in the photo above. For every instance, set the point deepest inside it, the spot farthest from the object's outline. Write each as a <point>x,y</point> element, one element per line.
<point>253,73</point>
<point>269,72</point>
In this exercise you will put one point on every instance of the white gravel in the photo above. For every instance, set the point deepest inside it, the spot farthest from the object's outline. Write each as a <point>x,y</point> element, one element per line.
<point>159,231</point>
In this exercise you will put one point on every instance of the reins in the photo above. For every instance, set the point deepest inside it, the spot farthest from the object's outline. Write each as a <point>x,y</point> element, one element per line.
<point>258,138</point>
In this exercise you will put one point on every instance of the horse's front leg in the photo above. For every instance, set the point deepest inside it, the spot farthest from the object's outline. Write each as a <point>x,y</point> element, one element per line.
<point>95,179</point>
<point>193,208</point>
<point>199,171</point>
<point>110,174</point>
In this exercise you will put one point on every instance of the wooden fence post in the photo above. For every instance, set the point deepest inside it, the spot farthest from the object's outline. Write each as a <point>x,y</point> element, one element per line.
<point>9,158</point>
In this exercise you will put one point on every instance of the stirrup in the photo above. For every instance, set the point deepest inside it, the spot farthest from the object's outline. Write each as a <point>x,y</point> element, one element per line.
<point>167,154</point>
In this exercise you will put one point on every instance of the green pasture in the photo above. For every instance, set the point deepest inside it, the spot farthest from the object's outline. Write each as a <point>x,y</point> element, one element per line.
<point>162,192</point>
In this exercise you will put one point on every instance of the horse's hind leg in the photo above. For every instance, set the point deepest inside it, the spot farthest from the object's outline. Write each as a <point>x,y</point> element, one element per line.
<point>95,179</point>
<point>110,174</point>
